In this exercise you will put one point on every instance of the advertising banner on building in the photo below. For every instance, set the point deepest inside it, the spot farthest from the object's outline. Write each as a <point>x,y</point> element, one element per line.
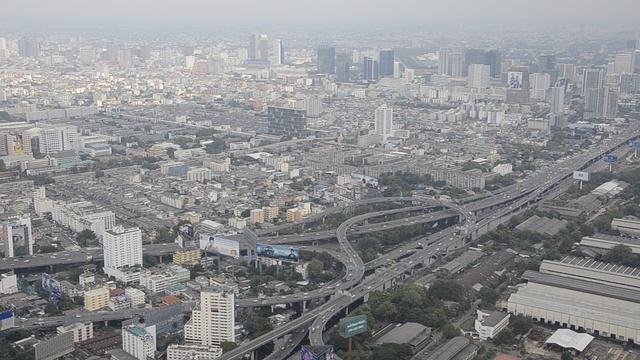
<point>220,246</point>
<point>278,252</point>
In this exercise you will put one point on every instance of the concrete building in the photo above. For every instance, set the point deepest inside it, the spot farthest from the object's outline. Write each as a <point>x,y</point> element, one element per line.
<point>212,321</point>
<point>188,352</point>
<point>479,76</point>
<point>161,277</point>
<point>83,215</point>
<point>256,216</point>
<point>174,168</point>
<point>139,341</point>
<point>8,283</point>
<point>384,121</point>
<point>583,295</point>
<point>17,239</point>
<point>628,225</point>
<point>136,297</point>
<point>187,256</point>
<point>96,299</point>
<point>286,121</point>
<point>122,249</point>
<point>199,174</point>
<point>490,324</point>
<point>81,331</point>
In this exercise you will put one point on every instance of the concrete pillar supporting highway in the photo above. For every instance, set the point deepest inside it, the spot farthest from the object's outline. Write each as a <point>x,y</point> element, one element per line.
<point>106,323</point>
<point>273,308</point>
<point>366,297</point>
<point>253,355</point>
<point>304,306</point>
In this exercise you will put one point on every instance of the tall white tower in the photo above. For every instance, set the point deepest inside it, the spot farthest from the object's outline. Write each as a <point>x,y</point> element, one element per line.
<point>122,247</point>
<point>384,121</point>
<point>212,321</point>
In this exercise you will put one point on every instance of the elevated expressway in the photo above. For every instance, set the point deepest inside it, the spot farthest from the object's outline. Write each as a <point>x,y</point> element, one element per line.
<point>476,219</point>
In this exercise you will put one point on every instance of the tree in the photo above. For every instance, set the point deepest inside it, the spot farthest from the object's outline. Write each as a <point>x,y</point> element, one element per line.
<point>228,346</point>
<point>315,269</point>
<point>622,254</point>
<point>489,297</point>
<point>566,356</point>
<point>85,238</point>
<point>449,331</point>
<point>99,174</point>
<point>446,290</point>
<point>3,166</point>
<point>505,337</point>
<point>171,152</point>
<point>391,352</point>
<point>520,324</point>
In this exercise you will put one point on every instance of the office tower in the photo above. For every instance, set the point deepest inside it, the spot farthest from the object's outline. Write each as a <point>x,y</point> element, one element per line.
<point>28,47</point>
<point>479,76</point>
<point>313,106</point>
<point>343,66</point>
<point>287,121</point>
<point>455,63</point>
<point>594,102</point>
<point>557,99</point>
<point>474,56</point>
<point>278,53</point>
<point>540,84</point>
<point>253,48</point>
<point>139,341</point>
<point>546,63</point>
<point>371,72</point>
<point>384,121</point>
<point>17,239</point>
<point>212,321</point>
<point>592,78</point>
<point>610,103</point>
<point>326,60</point>
<point>53,139</point>
<point>494,59</point>
<point>517,85</point>
<point>122,248</point>
<point>386,59</point>
<point>624,63</point>
<point>443,65</point>
<point>264,47</point>
<point>566,71</point>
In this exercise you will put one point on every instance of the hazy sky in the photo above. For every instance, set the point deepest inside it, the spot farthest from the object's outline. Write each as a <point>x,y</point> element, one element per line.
<point>292,12</point>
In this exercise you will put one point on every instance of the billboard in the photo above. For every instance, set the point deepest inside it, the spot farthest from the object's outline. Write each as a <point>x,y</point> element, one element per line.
<point>514,80</point>
<point>218,245</point>
<point>278,252</point>
<point>611,159</point>
<point>6,319</point>
<point>352,326</point>
<point>581,175</point>
<point>52,287</point>
<point>364,180</point>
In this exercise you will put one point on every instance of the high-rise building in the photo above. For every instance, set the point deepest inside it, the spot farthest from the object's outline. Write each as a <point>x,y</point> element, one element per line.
<point>278,52</point>
<point>139,341</point>
<point>253,48</point>
<point>610,103</point>
<point>557,99</point>
<point>28,47</point>
<point>371,70</point>
<point>263,47</point>
<point>386,59</point>
<point>494,59</point>
<point>546,63</point>
<point>122,248</point>
<point>326,60</point>
<point>17,239</point>
<point>287,121</point>
<point>592,78</point>
<point>384,121</point>
<point>443,65</point>
<point>624,63</point>
<point>455,63</point>
<point>540,84</point>
<point>343,67</point>
<point>212,321</point>
<point>479,76</point>
<point>517,82</point>
<point>594,102</point>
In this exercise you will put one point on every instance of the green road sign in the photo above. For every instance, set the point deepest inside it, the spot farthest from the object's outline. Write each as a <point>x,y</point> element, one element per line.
<point>352,326</point>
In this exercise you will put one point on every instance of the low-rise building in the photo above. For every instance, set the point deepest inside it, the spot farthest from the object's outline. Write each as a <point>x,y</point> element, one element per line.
<point>96,299</point>
<point>193,351</point>
<point>187,256</point>
<point>81,331</point>
<point>159,278</point>
<point>490,324</point>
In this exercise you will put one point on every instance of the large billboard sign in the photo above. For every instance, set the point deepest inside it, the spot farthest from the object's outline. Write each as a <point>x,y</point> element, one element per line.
<point>218,245</point>
<point>316,352</point>
<point>581,175</point>
<point>514,80</point>
<point>278,252</point>
<point>352,326</point>
<point>6,319</point>
<point>611,159</point>
<point>52,287</point>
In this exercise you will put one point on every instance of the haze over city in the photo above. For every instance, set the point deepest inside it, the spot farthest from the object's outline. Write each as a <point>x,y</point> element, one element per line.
<point>319,180</point>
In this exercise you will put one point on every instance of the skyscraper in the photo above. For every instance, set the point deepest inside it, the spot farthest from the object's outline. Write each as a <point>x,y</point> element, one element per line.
<point>546,63</point>
<point>253,49</point>
<point>286,121</point>
<point>443,65</point>
<point>384,121</point>
<point>386,59</point>
<point>212,321</point>
<point>278,52</point>
<point>28,47</point>
<point>343,66</point>
<point>610,105</point>
<point>592,78</point>
<point>479,75</point>
<point>371,72</point>
<point>494,59</point>
<point>517,85</point>
<point>557,99</point>
<point>264,47</point>
<point>122,248</point>
<point>16,236</point>
<point>326,60</point>
<point>474,56</point>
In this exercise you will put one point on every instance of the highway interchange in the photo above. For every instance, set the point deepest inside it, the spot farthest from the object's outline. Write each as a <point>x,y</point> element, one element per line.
<point>473,219</point>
